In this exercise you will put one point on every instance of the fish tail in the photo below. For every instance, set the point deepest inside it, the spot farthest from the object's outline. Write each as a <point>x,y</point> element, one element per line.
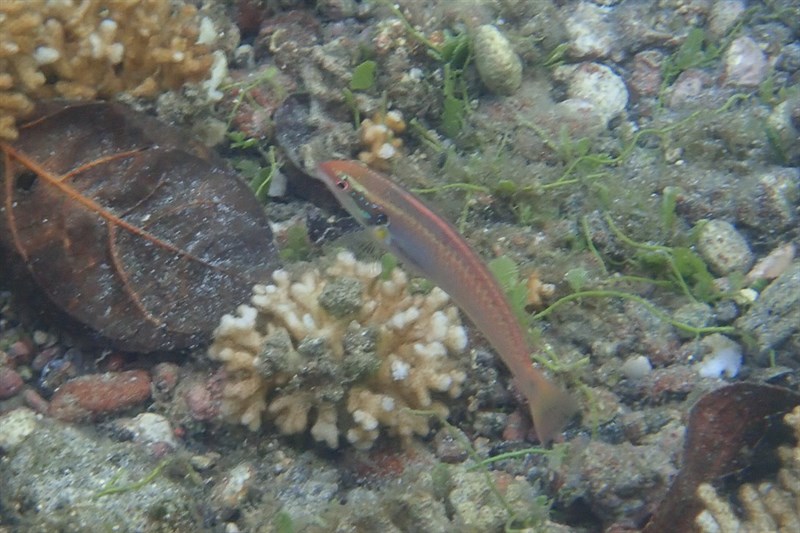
<point>551,407</point>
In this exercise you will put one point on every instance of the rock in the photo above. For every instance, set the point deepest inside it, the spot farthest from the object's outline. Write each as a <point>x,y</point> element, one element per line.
<point>234,487</point>
<point>771,203</point>
<point>60,471</point>
<point>620,480</point>
<point>645,79</point>
<point>783,126</point>
<point>149,428</point>
<point>689,87</point>
<point>590,32</point>
<point>776,314</point>
<point>10,382</point>
<point>499,66</point>
<point>598,85</point>
<point>474,504</point>
<point>89,397</point>
<point>723,248</point>
<point>745,63</point>
<point>15,426</point>
<point>696,314</point>
<point>636,367</point>
<point>448,448</point>
<point>723,15</point>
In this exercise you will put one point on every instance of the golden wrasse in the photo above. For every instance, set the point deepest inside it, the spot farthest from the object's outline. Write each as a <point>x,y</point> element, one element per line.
<point>433,247</point>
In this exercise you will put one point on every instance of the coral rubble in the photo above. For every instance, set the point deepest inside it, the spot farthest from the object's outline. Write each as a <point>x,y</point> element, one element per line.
<point>768,506</point>
<point>91,48</point>
<point>341,353</point>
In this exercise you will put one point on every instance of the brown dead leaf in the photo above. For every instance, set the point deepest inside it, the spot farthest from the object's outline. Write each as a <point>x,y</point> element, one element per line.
<point>723,426</point>
<point>131,229</point>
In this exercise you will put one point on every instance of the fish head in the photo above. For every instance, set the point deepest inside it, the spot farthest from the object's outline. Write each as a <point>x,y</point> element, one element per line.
<point>348,181</point>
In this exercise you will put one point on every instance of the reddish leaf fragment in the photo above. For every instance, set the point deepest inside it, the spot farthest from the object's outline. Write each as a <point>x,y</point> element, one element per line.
<point>133,231</point>
<point>722,425</point>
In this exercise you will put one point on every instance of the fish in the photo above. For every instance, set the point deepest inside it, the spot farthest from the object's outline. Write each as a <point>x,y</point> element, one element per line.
<point>431,246</point>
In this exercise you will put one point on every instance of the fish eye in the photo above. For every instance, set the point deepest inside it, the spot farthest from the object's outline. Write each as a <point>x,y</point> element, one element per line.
<point>342,183</point>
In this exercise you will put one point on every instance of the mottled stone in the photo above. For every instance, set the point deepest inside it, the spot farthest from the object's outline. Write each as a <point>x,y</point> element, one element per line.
<point>723,248</point>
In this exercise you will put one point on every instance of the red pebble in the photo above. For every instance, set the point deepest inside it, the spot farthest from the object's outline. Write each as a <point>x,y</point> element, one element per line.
<point>10,382</point>
<point>21,352</point>
<point>201,402</point>
<point>88,397</point>
<point>35,401</point>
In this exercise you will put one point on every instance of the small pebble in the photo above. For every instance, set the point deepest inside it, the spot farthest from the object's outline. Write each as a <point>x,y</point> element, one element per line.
<point>40,338</point>
<point>201,402</point>
<point>35,401</point>
<point>21,351</point>
<point>723,248</point>
<point>449,449</point>
<point>205,461</point>
<point>636,367</point>
<point>773,265</point>
<point>165,377</point>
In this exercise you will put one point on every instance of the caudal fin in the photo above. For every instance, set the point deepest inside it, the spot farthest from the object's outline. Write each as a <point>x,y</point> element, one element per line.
<point>551,408</point>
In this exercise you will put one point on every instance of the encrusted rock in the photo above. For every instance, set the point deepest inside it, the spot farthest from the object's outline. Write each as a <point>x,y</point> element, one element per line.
<point>724,248</point>
<point>499,67</point>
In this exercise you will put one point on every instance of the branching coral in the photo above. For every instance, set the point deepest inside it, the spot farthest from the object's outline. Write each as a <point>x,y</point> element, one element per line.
<point>84,49</point>
<point>379,135</point>
<point>769,506</point>
<point>342,353</point>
